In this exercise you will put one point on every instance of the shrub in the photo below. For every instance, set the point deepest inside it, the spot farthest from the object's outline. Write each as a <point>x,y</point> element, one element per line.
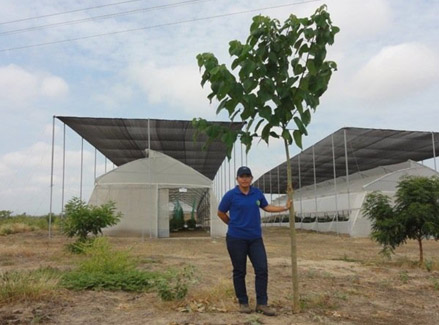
<point>106,269</point>
<point>82,219</point>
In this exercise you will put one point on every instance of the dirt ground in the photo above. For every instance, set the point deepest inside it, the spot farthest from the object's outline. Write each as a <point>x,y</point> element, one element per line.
<point>343,280</point>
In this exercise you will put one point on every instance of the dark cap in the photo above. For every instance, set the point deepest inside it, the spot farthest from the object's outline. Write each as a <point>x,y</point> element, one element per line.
<point>244,171</point>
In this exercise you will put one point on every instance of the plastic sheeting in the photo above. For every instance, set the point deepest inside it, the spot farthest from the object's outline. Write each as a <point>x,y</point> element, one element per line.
<point>144,189</point>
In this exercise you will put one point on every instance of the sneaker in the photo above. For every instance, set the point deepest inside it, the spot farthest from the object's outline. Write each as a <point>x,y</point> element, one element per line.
<point>264,309</point>
<point>245,309</point>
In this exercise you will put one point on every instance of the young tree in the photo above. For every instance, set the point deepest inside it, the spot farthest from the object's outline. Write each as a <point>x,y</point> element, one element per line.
<point>82,219</point>
<point>282,73</point>
<point>415,214</point>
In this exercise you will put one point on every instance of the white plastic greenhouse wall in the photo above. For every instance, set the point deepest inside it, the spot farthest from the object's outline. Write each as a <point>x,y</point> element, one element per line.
<point>143,191</point>
<point>333,206</point>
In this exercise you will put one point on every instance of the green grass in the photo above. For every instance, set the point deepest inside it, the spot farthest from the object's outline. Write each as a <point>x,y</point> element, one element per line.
<point>106,269</point>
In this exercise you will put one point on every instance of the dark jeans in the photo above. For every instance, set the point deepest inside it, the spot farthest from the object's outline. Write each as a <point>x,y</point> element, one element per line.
<point>239,249</point>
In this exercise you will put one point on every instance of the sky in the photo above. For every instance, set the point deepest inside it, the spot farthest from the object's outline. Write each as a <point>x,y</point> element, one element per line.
<point>52,63</point>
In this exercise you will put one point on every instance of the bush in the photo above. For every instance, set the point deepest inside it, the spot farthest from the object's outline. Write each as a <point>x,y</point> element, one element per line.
<point>106,269</point>
<point>82,219</point>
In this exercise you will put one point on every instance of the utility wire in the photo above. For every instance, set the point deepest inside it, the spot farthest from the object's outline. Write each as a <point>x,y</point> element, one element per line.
<point>67,12</point>
<point>78,21</point>
<point>156,26</point>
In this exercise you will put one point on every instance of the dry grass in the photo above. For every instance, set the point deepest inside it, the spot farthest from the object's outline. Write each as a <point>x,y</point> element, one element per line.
<point>14,228</point>
<point>342,280</point>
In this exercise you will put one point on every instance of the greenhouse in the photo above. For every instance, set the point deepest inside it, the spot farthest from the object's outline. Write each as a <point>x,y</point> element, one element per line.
<point>332,178</point>
<point>159,167</point>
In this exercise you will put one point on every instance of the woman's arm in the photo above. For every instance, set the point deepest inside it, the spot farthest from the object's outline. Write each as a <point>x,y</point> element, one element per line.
<point>274,208</point>
<point>224,217</point>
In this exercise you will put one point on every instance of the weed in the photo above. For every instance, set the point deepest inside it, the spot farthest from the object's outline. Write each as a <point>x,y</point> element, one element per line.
<point>404,277</point>
<point>435,283</point>
<point>345,258</point>
<point>175,284</point>
<point>106,269</point>
<point>316,300</point>
<point>29,285</point>
<point>253,320</point>
<point>341,295</point>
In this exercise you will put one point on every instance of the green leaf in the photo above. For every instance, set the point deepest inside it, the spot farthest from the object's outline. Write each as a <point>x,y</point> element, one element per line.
<point>274,134</point>
<point>306,117</point>
<point>265,134</point>
<point>265,112</point>
<point>249,85</point>
<point>272,57</point>
<point>235,48</point>
<point>221,106</point>
<point>287,136</point>
<point>258,125</point>
<point>297,138</point>
<point>300,125</point>
<point>298,69</point>
<point>311,67</point>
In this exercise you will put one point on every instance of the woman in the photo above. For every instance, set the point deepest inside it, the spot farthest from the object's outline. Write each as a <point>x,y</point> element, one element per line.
<point>239,209</point>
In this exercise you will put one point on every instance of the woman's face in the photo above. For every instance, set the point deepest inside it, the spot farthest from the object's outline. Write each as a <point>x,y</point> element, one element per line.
<point>244,181</point>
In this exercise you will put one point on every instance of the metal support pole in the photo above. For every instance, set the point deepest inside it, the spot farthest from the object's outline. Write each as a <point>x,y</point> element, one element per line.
<point>347,171</point>
<point>315,182</point>
<point>51,177</point>
<point>63,168</point>
<point>149,135</point>
<point>82,167</point>
<point>335,182</point>
<point>94,171</point>
<point>434,150</point>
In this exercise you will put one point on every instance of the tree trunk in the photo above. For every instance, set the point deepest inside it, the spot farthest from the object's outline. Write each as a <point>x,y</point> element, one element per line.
<point>295,275</point>
<point>421,251</point>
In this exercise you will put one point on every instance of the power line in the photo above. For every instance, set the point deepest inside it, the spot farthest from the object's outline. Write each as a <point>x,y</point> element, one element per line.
<point>156,26</point>
<point>78,21</point>
<point>67,12</point>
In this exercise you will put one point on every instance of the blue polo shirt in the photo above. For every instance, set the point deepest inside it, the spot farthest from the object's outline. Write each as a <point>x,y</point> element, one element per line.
<point>244,213</point>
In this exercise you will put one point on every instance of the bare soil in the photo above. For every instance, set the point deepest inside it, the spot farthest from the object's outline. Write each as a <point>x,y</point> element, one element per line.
<point>343,280</point>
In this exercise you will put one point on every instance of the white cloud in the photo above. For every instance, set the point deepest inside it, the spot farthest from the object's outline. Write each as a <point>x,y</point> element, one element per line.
<point>116,94</point>
<point>397,71</point>
<point>20,86</point>
<point>53,86</point>
<point>26,176</point>
<point>17,84</point>
<point>178,86</point>
<point>359,18</point>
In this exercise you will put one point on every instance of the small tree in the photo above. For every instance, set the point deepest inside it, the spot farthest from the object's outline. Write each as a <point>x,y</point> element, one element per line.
<point>415,214</point>
<point>282,75</point>
<point>4,214</point>
<point>82,219</point>
<point>177,220</point>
